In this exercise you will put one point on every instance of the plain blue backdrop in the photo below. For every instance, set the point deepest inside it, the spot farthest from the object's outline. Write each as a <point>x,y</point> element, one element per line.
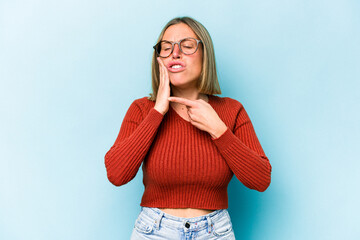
<point>70,69</point>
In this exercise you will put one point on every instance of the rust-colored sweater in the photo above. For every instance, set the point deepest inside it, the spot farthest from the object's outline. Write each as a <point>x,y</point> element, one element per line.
<point>183,166</point>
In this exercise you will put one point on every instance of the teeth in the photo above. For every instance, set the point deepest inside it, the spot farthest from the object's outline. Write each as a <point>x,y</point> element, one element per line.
<point>176,66</point>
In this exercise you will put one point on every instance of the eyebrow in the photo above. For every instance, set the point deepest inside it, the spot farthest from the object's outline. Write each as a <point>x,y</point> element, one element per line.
<point>179,40</point>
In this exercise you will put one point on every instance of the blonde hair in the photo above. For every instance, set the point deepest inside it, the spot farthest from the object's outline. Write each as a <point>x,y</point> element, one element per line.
<point>208,82</point>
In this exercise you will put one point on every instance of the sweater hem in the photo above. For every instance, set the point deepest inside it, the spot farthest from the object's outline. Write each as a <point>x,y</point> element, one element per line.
<point>208,207</point>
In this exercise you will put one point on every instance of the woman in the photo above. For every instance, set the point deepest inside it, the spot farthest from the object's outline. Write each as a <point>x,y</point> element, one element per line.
<point>190,144</point>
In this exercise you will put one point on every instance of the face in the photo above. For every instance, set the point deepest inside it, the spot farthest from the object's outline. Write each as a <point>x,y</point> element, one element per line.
<point>188,74</point>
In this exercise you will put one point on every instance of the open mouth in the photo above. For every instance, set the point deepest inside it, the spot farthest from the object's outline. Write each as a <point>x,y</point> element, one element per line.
<point>176,66</point>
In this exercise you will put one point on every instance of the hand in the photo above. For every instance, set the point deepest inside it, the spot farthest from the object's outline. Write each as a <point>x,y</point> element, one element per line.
<point>202,116</point>
<point>162,102</point>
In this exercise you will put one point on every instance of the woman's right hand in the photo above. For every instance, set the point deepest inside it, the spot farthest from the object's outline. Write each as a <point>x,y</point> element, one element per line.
<point>162,102</point>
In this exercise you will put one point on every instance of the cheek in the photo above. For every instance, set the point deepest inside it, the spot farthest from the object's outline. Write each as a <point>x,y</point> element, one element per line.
<point>197,62</point>
<point>200,59</point>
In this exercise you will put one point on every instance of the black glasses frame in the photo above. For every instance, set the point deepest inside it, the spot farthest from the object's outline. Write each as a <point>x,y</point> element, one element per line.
<point>173,45</point>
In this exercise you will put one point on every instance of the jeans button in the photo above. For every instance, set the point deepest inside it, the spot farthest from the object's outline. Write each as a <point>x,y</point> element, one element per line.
<point>187,225</point>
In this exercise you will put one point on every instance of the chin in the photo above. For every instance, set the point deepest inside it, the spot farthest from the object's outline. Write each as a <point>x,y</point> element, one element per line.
<point>181,83</point>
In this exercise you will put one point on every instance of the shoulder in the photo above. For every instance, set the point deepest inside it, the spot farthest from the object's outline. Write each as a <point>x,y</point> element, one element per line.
<point>226,102</point>
<point>143,104</point>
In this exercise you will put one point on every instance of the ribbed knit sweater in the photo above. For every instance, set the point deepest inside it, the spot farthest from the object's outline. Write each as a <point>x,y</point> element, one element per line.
<point>183,166</point>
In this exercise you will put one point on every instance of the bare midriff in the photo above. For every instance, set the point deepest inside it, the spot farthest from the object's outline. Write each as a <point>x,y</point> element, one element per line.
<point>186,212</point>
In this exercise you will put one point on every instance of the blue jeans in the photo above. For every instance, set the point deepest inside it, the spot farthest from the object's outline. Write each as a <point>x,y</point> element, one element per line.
<point>154,224</point>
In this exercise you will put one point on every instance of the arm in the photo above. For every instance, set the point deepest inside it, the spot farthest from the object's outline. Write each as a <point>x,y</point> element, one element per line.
<point>243,153</point>
<point>136,134</point>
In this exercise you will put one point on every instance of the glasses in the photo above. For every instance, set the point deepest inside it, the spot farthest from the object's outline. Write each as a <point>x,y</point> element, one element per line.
<point>187,46</point>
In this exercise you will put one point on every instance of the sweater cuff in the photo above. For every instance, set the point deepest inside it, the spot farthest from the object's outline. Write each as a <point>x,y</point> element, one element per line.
<point>225,140</point>
<point>154,117</point>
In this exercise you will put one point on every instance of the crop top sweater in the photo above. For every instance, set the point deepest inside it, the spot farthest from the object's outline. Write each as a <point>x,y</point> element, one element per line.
<point>183,166</point>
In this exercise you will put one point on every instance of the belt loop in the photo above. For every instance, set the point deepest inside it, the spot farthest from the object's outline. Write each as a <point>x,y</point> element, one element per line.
<point>158,220</point>
<point>209,224</point>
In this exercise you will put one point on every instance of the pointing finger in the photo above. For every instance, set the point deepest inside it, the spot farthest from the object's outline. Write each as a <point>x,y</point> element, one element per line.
<point>184,101</point>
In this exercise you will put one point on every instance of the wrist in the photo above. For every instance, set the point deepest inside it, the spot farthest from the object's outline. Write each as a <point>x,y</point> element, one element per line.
<point>160,111</point>
<point>219,131</point>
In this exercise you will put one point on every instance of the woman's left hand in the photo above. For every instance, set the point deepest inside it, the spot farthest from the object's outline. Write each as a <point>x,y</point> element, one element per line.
<point>202,116</point>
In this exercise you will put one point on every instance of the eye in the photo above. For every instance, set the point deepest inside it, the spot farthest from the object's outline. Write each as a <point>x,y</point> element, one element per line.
<point>165,46</point>
<point>188,43</point>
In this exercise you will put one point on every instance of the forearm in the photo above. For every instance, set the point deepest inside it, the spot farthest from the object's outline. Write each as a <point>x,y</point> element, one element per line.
<point>250,167</point>
<point>124,158</point>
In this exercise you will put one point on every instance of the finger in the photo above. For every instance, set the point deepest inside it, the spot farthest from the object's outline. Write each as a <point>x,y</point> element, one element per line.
<point>184,101</point>
<point>166,74</point>
<point>164,71</point>
<point>161,62</point>
<point>193,117</point>
<point>197,125</point>
<point>161,71</point>
<point>202,101</point>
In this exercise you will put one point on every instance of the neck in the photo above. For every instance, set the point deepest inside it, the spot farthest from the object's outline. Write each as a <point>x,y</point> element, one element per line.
<point>191,94</point>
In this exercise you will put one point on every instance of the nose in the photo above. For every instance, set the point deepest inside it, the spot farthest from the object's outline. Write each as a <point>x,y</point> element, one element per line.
<point>176,52</point>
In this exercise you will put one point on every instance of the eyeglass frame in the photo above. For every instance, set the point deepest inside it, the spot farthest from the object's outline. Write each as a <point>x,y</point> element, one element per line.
<point>178,43</point>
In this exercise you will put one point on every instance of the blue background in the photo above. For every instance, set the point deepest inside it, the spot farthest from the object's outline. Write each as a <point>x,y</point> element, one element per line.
<point>70,69</point>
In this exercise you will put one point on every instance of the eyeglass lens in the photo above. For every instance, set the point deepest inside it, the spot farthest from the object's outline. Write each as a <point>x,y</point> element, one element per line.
<point>187,46</point>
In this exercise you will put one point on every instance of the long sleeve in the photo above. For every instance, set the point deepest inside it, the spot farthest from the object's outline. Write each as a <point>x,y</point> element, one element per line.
<point>243,153</point>
<point>137,132</point>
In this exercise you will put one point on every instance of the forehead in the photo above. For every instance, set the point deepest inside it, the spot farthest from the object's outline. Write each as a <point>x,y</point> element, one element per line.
<point>177,32</point>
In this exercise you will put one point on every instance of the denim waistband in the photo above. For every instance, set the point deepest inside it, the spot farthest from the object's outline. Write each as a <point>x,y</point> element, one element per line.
<point>187,224</point>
